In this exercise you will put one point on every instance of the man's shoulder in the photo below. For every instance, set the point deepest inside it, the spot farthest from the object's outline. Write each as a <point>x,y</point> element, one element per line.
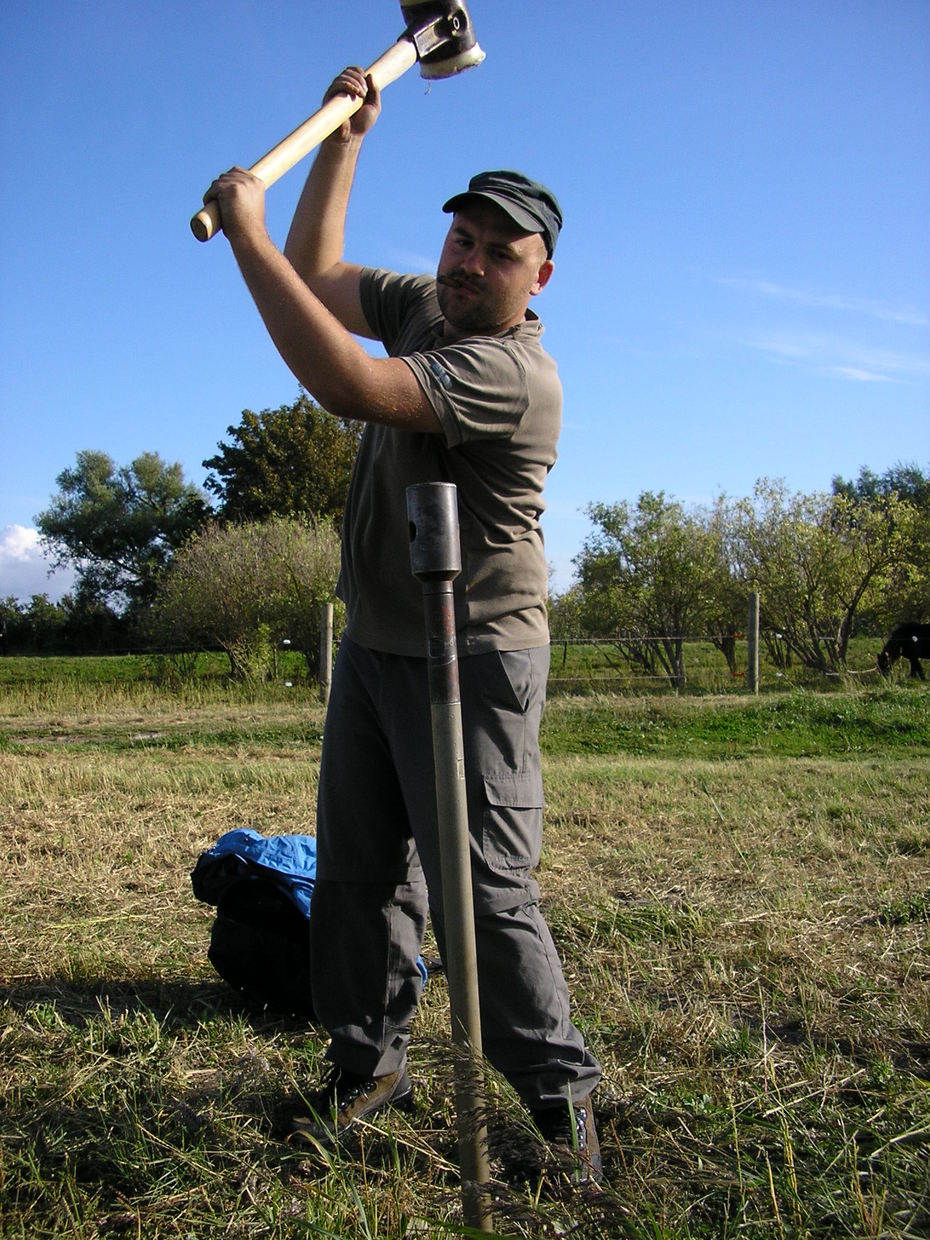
<point>521,347</point>
<point>378,282</point>
<point>390,300</point>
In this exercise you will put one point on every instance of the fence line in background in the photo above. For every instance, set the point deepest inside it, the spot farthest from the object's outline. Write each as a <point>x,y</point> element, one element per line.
<point>750,676</point>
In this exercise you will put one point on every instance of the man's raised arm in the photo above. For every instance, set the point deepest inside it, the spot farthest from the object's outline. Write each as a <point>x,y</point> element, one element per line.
<point>316,241</point>
<point>309,299</point>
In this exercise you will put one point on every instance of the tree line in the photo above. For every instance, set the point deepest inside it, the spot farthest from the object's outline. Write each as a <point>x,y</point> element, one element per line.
<point>826,566</point>
<point>248,562</point>
<point>241,565</point>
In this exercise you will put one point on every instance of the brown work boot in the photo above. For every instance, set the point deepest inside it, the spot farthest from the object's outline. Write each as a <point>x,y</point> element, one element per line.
<point>570,1133</point>
<point>347,1097</point>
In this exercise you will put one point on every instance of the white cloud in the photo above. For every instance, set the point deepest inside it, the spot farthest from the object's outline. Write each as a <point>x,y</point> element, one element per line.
<point>905,315</point>
<point>857,375</point>
<point>18,543</point>
<point>820,350</point>
<point>834,355</point>
<point>24,570</point>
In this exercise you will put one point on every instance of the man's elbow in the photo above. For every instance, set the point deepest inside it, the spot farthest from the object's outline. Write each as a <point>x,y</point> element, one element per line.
<point>373,395</point>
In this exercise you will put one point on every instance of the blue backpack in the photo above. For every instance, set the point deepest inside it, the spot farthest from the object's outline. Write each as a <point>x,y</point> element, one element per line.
<point>260,939</point>
<point>261,887</point>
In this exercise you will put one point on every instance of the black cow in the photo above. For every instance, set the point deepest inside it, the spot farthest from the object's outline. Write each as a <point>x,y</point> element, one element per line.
<point>910,640</point>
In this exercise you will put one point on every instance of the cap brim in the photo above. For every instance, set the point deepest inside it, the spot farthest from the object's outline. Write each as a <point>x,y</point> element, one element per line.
<point>523,219</point>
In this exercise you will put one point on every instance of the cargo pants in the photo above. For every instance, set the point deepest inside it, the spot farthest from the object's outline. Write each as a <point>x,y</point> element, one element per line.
<point>378,868</point>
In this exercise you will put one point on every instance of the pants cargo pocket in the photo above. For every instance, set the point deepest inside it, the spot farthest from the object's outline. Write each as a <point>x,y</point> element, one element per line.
<point>512,822</point>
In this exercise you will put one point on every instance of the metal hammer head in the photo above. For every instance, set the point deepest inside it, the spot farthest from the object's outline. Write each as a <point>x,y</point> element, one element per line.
<point>442,33</point>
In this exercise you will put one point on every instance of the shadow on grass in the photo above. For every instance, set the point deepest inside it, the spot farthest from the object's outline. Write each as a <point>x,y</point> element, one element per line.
<point>176,1004</point>
<point>139,1095</point>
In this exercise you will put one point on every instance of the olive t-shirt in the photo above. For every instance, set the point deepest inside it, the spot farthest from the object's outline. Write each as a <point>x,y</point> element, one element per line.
<point>499,403</point>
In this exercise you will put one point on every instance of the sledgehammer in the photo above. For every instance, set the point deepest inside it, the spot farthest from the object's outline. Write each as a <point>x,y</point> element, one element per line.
<point>438,34</point>
<point>435,559</point>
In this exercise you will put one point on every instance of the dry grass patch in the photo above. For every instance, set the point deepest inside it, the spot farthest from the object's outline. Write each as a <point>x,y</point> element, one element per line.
<point>746,937</point>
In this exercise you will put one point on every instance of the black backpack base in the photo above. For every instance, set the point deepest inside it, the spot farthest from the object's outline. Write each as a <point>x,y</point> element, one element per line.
<point>260,945</point>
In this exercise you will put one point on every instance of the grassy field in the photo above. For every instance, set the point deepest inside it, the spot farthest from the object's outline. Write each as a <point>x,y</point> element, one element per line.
<point>740,889</point>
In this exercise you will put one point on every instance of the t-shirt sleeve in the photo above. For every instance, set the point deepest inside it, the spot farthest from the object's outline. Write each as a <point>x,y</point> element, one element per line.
<point>389,299</point>
<point>477,387</point>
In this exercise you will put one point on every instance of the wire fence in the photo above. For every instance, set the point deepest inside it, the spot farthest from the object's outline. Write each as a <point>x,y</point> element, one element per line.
<point>711,662</point>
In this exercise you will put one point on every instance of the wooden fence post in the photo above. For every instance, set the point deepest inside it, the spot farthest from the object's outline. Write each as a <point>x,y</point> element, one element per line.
<point>752,644</point>
<point>326,652</point>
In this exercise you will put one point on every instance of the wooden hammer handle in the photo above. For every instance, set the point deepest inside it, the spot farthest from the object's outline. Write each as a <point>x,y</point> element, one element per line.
<point>281,158</point>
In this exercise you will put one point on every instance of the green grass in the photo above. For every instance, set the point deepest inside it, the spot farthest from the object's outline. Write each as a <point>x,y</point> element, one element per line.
<point>794,724</point>
<point>740,890</point>
<point>120,671</point>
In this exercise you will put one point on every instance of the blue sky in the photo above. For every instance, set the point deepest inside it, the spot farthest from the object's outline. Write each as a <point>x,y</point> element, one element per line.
<point>742,286</point>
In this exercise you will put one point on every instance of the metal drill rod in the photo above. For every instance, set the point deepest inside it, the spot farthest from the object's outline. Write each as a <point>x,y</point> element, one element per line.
<point>435,560</point>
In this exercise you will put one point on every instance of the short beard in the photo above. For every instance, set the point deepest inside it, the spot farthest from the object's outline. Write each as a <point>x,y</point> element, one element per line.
<point>470,319</point>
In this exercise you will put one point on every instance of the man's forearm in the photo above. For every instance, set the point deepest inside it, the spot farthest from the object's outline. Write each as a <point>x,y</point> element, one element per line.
<point>326,359</point>
<point>309,298</point>
<point>316,347</point>
<point>316,240</point>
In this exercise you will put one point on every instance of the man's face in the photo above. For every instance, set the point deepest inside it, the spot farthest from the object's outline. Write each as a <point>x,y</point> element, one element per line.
<point>488,271</point>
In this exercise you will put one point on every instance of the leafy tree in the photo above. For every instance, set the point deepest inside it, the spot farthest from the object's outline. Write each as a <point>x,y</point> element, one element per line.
<point>907,592</point>
<point>16,631</point>
<point>44,624</point>
<point>246,588</point>
<point>91,625</point>
<point>75,625</point>
<point>290,462</point>
<point>566,614</point>
<point>906,481</point>
<point>815,560</point>
<point>727,597</point>
<point>650,575</point>
<point>119,527</point>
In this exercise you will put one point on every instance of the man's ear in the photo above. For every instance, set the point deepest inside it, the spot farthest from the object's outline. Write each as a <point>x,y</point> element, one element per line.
<point>543,277</point>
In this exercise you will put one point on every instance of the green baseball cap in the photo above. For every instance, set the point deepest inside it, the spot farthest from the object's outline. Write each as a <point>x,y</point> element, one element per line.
<point>529,204</point>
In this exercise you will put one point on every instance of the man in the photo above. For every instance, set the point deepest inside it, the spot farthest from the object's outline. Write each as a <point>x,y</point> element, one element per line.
<point>466,395</point>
